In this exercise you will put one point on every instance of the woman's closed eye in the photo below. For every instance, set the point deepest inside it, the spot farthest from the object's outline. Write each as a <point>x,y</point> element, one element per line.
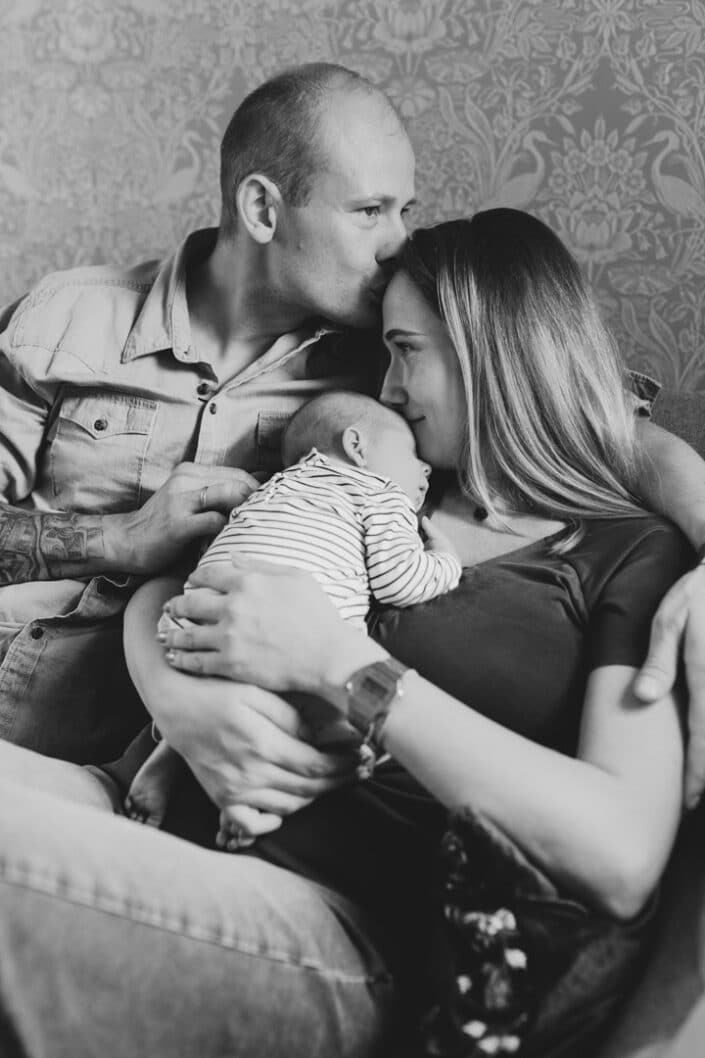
<point>404,348</point>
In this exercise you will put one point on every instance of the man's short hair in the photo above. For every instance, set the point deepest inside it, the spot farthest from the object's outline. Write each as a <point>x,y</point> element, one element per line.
<point>274,131</point>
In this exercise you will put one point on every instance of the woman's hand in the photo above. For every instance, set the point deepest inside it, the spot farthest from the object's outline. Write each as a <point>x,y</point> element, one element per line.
<point>242,743</point>
<point>265,624</point>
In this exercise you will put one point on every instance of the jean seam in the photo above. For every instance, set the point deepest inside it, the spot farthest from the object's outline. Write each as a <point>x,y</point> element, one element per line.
<point>119,908</point>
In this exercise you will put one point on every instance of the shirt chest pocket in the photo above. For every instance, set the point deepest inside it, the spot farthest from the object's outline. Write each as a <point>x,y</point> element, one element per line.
<point>97,450</point>
<point>268,438</point>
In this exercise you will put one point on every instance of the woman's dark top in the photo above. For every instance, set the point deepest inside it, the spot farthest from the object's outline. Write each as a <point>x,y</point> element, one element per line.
<point>516,641</point>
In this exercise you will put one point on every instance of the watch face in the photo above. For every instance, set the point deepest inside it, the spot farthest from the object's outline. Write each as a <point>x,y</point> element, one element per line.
<point>374,688</point>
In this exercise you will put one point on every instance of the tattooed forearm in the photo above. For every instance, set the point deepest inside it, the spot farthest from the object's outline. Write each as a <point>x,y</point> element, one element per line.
<point>39,546</point>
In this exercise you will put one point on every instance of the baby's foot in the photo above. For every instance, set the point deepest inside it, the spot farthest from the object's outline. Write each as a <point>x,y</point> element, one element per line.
<point>241,825</point>
<point>148,797</point>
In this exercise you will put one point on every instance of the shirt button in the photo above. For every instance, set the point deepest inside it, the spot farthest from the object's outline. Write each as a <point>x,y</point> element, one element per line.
<point>36,632</point>
<point>100,424</point>
<point>203,389</point>
<point>212,409</point>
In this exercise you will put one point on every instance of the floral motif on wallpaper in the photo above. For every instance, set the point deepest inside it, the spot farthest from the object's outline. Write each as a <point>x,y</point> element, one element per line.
<point>590,113</point>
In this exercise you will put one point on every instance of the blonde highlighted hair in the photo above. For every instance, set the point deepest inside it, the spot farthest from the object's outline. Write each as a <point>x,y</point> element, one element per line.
<point>550,426</point>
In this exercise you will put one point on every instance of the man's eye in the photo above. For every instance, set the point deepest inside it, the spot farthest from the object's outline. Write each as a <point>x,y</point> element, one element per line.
<point>371,211</point>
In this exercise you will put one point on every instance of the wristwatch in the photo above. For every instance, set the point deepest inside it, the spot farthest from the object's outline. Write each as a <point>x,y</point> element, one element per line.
<point>370,692</point>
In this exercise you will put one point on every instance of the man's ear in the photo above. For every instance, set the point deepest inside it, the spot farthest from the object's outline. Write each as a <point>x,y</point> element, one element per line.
<point>258,202</point>
<point>354,445</point>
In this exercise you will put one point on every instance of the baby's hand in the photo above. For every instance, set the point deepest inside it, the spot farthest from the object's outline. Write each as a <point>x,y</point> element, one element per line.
<point>241,825</point>
<point>436,540</point>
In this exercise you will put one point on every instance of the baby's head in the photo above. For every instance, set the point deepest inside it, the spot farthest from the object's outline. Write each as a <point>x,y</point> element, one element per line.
<point>360,431</point>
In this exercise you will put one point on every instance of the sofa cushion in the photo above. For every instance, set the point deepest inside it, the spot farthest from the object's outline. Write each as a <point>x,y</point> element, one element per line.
<point>668,1001</point>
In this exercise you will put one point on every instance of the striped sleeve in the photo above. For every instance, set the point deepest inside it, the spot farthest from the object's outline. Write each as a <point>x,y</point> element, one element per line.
<point>401,571</point>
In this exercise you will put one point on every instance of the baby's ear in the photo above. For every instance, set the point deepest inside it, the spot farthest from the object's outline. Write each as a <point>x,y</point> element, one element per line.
<point>354,446</point>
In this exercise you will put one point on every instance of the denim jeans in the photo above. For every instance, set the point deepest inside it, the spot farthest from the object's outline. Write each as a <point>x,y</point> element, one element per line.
<point>120,940</point>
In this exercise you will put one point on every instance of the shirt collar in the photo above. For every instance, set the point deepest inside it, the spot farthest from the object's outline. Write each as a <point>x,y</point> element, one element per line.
<point>163,321</point>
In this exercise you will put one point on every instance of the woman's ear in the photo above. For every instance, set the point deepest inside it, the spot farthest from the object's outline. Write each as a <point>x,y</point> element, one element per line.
<point>354,446</point>
<point>258,201</point>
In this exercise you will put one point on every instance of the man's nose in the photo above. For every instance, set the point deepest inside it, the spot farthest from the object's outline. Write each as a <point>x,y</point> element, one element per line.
<point>395,237</point>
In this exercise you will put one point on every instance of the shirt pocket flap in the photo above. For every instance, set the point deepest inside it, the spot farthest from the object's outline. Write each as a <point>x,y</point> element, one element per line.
<point>270,430</point>
<point>107,414</point>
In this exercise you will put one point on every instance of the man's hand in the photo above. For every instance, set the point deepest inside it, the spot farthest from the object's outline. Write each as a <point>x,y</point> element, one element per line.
<point>193,502</point>
<point>679,624</point>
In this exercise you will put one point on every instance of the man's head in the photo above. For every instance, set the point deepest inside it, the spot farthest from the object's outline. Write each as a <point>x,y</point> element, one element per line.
<point>358,430</point>
<point>317,169</point>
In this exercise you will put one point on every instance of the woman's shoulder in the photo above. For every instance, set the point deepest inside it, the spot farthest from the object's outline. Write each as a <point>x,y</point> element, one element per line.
<point>621,536</point>
<point>648,548</point>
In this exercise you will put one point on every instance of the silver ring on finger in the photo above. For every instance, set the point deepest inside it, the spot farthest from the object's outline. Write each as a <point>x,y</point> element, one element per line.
<point>203,498</point>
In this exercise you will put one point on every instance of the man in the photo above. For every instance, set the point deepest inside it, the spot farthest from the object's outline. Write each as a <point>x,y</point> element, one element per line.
<point>121,391</point>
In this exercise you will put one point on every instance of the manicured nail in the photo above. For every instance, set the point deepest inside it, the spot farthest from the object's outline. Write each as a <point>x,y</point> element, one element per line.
<point>188,584</point>
<point>646,687</point>
<point>170,656</point>
<point>161,637</point>
<point>166,608</point>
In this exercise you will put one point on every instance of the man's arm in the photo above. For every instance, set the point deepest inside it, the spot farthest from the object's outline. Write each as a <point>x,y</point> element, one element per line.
<point>42,545</point>
<point>672,481</point>
<point>193,502</point>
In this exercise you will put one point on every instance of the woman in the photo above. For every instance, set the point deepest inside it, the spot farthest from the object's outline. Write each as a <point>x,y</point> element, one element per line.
<point>520,719</point>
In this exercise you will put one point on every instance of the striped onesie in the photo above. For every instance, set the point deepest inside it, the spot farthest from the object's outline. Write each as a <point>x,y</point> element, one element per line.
<point>355,531</point>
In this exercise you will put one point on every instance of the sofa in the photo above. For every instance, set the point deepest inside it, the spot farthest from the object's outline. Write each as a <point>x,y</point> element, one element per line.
<point>665,1016</point>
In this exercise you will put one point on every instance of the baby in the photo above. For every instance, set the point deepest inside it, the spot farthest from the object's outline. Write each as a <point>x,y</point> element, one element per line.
<point>345,510</point>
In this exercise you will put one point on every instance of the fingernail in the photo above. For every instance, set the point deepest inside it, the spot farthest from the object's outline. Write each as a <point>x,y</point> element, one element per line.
<point>166,608</point>
<point>188,584</point>
<point>161,637</point>
<point>170,656</point>
<point>646,687</point>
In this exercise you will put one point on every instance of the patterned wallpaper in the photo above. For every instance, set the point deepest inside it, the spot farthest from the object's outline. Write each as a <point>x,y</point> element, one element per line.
<point>590,113</point>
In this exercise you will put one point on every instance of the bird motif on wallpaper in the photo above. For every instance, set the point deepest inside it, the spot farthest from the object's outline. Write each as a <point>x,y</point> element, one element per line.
<point>496,178</point>
<point>684,197</point>
<point>518,192</point>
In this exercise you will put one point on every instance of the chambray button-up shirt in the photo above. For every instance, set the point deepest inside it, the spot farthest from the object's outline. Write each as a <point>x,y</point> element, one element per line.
<point>101,395</point>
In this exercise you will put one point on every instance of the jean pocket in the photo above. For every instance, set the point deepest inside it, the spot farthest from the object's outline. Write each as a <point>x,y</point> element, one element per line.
<point>97,450</point>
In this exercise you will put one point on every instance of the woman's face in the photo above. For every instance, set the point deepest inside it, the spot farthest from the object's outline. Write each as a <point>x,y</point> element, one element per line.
<point>424,382</point>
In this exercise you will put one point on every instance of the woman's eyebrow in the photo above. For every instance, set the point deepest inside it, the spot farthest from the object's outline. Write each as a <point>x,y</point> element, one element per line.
<point>395,332</point>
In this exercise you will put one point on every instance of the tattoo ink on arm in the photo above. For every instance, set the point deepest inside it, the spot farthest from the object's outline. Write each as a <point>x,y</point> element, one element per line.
<point>39,546</point>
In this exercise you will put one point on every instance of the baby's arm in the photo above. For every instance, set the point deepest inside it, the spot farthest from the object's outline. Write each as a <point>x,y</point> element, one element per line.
<point>401,571</point>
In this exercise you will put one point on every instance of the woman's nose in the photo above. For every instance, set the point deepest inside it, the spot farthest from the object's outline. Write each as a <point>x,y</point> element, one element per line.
<point>392,392</point>
<point>425,469</point>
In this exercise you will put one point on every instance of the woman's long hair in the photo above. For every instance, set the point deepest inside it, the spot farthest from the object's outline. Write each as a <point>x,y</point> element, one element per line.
<point>550,426</point>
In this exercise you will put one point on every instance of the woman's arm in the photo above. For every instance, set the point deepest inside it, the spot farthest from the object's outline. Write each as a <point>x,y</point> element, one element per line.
<point>242,743</point>
<point>603,824</point>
